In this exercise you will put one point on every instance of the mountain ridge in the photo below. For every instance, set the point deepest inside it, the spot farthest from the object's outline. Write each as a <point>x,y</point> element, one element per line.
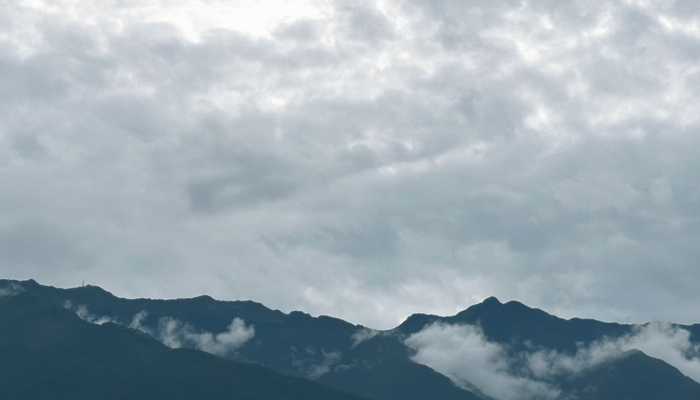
<point>50,353</point>
<point>374,364</point>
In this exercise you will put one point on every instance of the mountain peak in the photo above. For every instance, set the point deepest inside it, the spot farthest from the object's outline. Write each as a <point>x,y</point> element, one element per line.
<point>91,290</point>
<point>491,301</point>
<point>204,299</point>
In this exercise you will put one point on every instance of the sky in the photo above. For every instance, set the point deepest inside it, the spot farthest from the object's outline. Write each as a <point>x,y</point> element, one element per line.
<point>366,160</point>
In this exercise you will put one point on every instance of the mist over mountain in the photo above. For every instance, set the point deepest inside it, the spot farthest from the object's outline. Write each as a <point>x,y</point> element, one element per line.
<point>82,340</point>
<point>48,352</point>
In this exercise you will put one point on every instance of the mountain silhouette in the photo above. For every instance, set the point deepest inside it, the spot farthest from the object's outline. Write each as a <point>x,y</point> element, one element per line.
<point>518,324</point>
<point>49,353</point>
<point>349,358</point>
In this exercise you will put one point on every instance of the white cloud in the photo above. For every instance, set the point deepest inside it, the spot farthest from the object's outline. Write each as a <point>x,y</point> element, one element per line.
<point>659,340</point>
<point>137,322</point>
<point>236,335</point>
<point>175,333</point>
<point>668,343</point>
<point>363,334</point>
<point>84,313</point>
<point>462,353</point>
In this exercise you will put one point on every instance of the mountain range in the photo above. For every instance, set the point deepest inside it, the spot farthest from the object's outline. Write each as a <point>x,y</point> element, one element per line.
<point>84,342</point>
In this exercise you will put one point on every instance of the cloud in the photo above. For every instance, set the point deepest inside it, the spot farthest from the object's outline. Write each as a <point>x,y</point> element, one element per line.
<point>669,343</point>
<point>137,322</point>
<point>11,289</point>
<point>664,341</point>
<point>314,363</point>
<point>236,335</point>
<point>378,158</point>
<point>462,353</point>
<point>175,333</point>
<point>84,313</point>
<point>363,334</point>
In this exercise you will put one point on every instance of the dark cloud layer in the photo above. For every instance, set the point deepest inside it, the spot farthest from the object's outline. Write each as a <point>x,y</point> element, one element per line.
<point>365,159</point>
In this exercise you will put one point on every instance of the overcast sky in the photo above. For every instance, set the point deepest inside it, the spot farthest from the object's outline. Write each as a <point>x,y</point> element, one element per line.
<point>361,159</point>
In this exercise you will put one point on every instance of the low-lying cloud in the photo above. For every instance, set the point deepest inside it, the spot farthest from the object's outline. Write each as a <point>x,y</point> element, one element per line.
<point>463,354</point>
<point>470,360</point>
<point>84,313</point>
<point>11,289</point>
<point>175,333</point>
<point>660,340</point>
<point>313,363</point>
<point>362,335</point>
